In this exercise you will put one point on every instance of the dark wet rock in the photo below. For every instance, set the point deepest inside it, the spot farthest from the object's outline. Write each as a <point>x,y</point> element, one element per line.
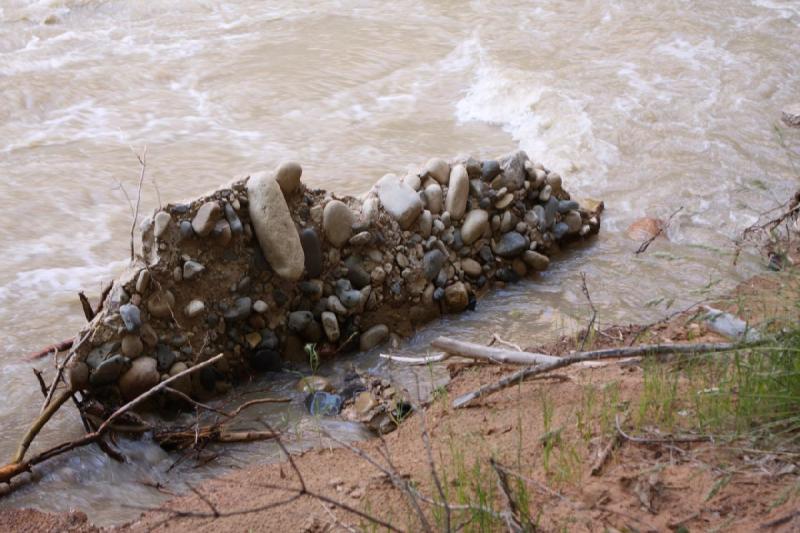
<point>490,169</point>
<point>180,209</point>
<point>511,245</point>
<point>360,239</point>
<point>266,360</point>
<point>535,260</point>
<point>323,403</point>
<point>550,211</point>
<point>185,229</point>
<point>165,357</point>
<point>131,317</point>
<point>565,206</point>
<point>299,320</point>
<point>486,254</point>
<point>432,263</point>
<point>373,337</point>
<point>269,340</point>
<point>233,220</point>
<point>239,310</point>
<point>109,370</point>
<point>507,275</point>
<point>438,294</point>
<point>559,230</point>
<point>456,297</point>
<point>208,378</point>
<point>356,273</point>
<point>312,248</point>
<point>514,172</point>
<point>312,289</point>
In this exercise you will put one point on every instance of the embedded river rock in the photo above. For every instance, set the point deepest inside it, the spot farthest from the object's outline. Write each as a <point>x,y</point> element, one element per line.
<point>262,268</point>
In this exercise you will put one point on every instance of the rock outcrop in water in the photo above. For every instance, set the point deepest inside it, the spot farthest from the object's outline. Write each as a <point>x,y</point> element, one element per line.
<point>266,266</point>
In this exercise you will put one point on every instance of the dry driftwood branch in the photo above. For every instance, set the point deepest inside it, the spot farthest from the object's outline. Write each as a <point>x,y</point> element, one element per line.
<point>596,355</point>
<point>298,492</point>
<point>513,516</point>
<point>605,453</point>
<point>50,350</point>
<point>431,464</point>
<point>18,465</point>
<point>88,310</point>
<point>436,358</point>
<point>60,368</point>
<point>395,478</point>
<point>497,355</point>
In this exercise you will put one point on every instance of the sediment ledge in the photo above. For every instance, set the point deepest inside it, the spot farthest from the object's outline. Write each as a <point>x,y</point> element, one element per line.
<point>262,268</point>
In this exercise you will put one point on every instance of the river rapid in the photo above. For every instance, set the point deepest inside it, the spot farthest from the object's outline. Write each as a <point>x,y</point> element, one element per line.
<point>648,106</point>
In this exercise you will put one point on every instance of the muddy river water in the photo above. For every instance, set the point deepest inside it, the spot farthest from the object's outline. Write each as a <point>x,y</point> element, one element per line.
<point>649,106</point>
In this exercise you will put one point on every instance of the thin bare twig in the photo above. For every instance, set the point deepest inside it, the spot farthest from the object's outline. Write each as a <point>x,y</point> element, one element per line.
<point>585,291</point>
<point>660,440</point>
<point>143,163</point>
<point>643,247</point>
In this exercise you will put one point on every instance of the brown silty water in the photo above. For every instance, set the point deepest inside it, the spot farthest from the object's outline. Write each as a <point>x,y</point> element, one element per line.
<point>648,106</point>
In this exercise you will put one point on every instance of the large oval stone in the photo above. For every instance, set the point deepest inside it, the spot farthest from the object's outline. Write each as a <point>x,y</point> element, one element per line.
<point>141,377</point>
<point>274,226</point>
<point>205,218</point>
<point>288,176</point>
<point>337,222</point>
<point>457,193</point>
<point>438,169</point>
<point>475,224</point>
<point>511,245</point>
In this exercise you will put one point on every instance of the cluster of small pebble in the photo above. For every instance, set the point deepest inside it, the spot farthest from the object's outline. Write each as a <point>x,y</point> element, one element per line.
<point>263,268</point>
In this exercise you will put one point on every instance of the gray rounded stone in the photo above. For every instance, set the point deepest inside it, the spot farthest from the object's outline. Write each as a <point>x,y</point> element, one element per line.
<point>330,324</point>
<point>337,223</point>
<point>510,245</point>
<point>109,370</point>
<point>299,320</point>
<point>206,218</point>
<point>194,308</point>
<point>475,224</point>
<point>373,337</point>
<point>438,169</point>
<point>434,198</point>
<point>192,269</point>
<point>432,263</point>
<point>160,223</point>
<point>288,176</point>
<point>131,317</point>
<point>535,260</point>
<point>141,377</point>
<point>457,193</point>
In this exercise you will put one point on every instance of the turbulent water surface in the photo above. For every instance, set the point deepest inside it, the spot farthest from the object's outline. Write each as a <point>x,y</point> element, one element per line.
<point>647,105</point>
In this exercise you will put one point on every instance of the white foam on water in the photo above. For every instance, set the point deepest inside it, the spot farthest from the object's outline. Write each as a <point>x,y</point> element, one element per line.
<point>551,124</point>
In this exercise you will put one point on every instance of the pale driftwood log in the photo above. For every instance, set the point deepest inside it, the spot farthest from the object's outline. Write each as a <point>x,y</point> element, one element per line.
<point>490,353</point>
<point>436,358</point>
<point>18,465</point>
<point>609,353</point>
